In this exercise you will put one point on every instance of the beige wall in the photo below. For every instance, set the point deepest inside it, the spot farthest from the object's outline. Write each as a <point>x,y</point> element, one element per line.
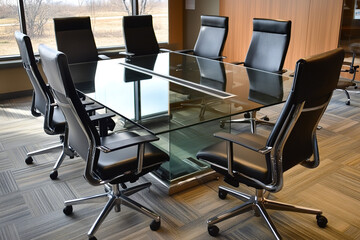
<point>192,19</point>
<point>315,25</point>
<point>13,80</point>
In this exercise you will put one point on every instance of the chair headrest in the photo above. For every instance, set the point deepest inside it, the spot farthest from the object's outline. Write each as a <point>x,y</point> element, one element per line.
<point>137,21</point>
<point>214,21</point>
<point>72,23</point>
<point>271,25</point>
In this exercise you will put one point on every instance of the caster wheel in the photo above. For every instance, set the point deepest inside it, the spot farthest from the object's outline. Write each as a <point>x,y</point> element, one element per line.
<point>321,221</point>
<point>29,160</point>
<point>54,175</point>
<point>213,230</point>
<point>68,210</point>
<point>266,118</point>
<point>92,238</point>
<point>347,103</point>
<point>222,194</point>
<point>155,225</point>
<point>247,115</point>
<point>71,157</point>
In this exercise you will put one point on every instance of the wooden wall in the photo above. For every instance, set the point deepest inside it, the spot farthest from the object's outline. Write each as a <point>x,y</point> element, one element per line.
<point>315,25</point>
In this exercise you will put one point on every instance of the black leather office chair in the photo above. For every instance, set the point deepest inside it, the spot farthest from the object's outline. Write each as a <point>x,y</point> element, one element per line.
<point>351,68</point>
<point>43,104</point>
<point>267,52</point>
<point>75,38</point>
<point>260,161</point>
<point>112,160</point>
<point>212,37</point>
<point>139,35</point>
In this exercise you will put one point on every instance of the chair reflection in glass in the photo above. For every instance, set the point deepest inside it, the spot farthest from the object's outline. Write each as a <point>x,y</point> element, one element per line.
<point>138,79</point>
<point>212,76</point>
<point>264,88</point>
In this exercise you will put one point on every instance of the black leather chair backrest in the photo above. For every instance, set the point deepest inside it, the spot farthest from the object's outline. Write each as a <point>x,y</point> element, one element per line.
<point>75,38</point>
<point>42,96</point>
<point>269,44</point>
<point>315,79</point>
<point>139,35</point>
<point>212,36</point>
<point>82,133</point>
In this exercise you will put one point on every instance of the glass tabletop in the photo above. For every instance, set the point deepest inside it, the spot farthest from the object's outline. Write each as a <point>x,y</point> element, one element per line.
<point>169,84</point>
<point>181,98</point>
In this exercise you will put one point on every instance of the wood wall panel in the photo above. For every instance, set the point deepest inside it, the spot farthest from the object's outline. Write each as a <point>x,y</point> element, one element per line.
<point>315,25</point>
<point>176,24</point>
<point>324,28</point>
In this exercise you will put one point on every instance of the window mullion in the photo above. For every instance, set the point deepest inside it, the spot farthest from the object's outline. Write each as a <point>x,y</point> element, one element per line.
<point>22,16</point>
<point>135,7</point>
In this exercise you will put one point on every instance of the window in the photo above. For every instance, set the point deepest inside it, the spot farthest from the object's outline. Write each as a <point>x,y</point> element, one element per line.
<point>350,24</point>
<point>159,10</point>
<point>9,23</point>
<point>106,18</point>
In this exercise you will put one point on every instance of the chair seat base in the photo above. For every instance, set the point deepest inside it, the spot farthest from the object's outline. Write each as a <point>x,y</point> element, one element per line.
<point>66,151</point>
<point>258,203</point>
<point>115,198</point>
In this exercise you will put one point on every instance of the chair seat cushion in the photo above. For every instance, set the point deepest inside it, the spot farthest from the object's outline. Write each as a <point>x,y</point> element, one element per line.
<point>343,84</point>
<point>256,167</point>
<point>124,161</point>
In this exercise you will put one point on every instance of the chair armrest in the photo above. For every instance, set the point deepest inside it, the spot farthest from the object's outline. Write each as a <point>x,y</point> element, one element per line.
<point>98,117</point>
<point>251,141</point>
<point>282,71</point>
<point>347,63</point>
<point>127,54</point>
<point>185,51</point>
<point>165,50</point>
<point>86,102</point>
<point>92,107</point>
<point>139,140</point>
<point>238,63</point>
<point>248,140</point>
<point>127,143</point>
<point>104,121</point>
<point>103,57</point>
<point>217,58</point>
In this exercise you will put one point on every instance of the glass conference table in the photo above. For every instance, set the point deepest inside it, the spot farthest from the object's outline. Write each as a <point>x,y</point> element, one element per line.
<point>180,98</point>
